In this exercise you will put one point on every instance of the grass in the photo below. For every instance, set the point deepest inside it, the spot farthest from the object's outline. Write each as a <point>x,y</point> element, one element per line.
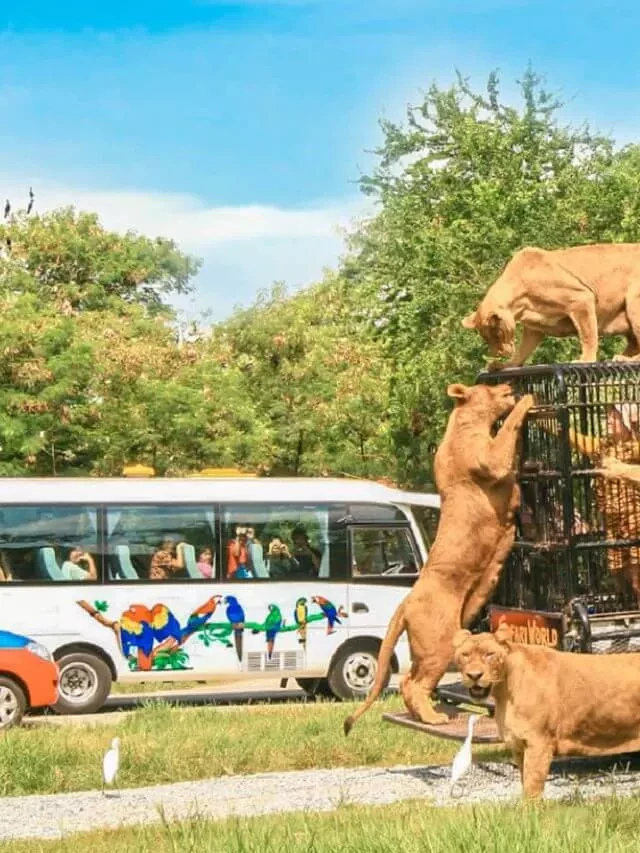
<point>163,743</point>
<point>607,826</point>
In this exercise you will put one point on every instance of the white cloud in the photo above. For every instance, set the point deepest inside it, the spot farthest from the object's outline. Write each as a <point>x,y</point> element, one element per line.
<point>244,248</point>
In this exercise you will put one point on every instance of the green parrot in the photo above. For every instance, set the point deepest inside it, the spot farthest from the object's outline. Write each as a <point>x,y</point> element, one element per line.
<point>272,624</point>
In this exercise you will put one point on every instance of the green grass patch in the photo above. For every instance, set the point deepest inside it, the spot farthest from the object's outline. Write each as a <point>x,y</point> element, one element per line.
<point>163,743</point>
<point>606,826</point>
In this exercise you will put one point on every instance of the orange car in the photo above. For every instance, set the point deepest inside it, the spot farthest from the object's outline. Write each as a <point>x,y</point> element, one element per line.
<point>28,677</point>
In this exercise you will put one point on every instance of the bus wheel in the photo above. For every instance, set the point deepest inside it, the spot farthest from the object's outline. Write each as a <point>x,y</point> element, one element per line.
<point>13,702</point>
<point>353,670</point>
<point>315,686</point>
<point>85,682</point>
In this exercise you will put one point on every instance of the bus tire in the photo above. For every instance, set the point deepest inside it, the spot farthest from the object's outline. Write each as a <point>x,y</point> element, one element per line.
<point>13,702</point>
<point>353,670</point>
<point>85,683</point>
<point>315,687</point>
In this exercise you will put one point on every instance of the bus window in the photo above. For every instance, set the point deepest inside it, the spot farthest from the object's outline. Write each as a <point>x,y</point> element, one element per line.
<point>276,542</point>
<point>382,551</point>
<point>49,543</point>
<point>165,542</point>
<point>427,518</point>
<point>375,514</point>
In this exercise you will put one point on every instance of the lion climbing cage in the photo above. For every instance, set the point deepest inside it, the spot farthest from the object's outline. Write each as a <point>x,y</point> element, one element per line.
<point>573,577</point>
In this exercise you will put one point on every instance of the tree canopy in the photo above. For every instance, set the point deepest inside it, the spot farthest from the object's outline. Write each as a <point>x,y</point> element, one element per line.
<point>345,378</point>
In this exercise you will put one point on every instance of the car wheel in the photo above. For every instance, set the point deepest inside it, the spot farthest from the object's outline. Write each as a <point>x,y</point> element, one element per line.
<point>353,671</point>
<point>13,702</point>
<point>315,686</point>
<point>84,684</point>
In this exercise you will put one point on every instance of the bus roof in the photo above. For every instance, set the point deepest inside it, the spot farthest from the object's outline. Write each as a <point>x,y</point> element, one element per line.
<point>114,490</point>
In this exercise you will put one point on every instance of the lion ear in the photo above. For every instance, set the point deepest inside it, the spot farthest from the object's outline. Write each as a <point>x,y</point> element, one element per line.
<point>503,633</point>
<point>469,322</point>
<point>459,637</point>
<point>458,391</point>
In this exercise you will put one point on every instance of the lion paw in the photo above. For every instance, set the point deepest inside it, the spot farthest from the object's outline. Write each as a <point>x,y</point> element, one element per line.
<point>527,402</point>
<point>437,720</point>
<point>431,718</point>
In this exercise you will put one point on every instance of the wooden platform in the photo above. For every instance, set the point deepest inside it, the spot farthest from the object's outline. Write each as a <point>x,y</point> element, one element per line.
<point>484,731</point>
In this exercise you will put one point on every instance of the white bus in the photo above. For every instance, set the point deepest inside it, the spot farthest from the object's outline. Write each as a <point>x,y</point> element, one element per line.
<point>163,579</point>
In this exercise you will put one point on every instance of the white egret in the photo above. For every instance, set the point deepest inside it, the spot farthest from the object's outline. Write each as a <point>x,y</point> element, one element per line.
<point>462,761</point>
<point>111,764</point>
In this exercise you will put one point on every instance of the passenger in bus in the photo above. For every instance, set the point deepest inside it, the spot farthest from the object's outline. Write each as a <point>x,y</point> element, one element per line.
<point>72,568</point>
<point>305,555</point>
<point>238,556</point>
<point>279,558</point>
<point>205,563</point>
<point>167,561</point>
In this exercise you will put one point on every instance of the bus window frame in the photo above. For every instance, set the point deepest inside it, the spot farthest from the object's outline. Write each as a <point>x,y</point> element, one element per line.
<point>399,579</point>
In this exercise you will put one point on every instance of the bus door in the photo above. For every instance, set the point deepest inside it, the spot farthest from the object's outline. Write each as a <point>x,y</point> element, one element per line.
<point>384,562</point>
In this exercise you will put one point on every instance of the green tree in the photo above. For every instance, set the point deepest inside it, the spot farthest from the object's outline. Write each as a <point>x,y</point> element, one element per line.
<point>86,345</point>
<point>70,260</point>
<point>315,374</point>
<point>462,184</point>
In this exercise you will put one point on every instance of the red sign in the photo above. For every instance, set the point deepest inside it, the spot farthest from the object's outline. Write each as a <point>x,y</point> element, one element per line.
<point>529,626</point>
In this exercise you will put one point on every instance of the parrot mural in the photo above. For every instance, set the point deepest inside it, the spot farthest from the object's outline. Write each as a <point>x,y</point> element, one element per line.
<point>164,624</point>
<point>329,610</point>
<point>235,615</point>
<point>135,632</point>
<point>272,624</point>
<point>143,632</point>
<point>301,615</point>
<point>202,614</point>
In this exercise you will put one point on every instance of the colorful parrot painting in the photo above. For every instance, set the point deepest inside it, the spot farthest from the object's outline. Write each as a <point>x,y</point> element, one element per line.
<point>135,632</point>
<point>235,615</point>
<point>148,632</point>
<point>272,624</point>
<point>202,614</point>
<point>164,624</point>
<point>301,615</point>
<point>329,610</point>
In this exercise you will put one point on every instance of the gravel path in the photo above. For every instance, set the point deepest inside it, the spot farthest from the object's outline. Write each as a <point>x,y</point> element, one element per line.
<point>56,815</point>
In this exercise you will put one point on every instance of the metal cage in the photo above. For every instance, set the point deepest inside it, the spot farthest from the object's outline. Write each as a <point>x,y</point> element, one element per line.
<point>577,548</point>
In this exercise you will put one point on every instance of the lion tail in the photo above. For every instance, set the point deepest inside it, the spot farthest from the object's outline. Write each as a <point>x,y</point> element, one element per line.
<point>396,627</point>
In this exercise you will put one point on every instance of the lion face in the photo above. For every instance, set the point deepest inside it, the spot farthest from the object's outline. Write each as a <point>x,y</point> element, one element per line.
<point>490,401</point>
<point>497,329</point>
<point>481,659</point>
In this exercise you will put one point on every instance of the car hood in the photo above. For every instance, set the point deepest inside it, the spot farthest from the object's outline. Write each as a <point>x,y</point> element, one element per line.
<point>8,640</point>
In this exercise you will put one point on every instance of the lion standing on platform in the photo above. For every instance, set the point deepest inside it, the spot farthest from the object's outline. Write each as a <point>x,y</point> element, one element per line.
<point>475,476</point>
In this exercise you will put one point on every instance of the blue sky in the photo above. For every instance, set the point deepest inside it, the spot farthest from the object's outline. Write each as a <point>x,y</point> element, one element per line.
<point>241,128</point>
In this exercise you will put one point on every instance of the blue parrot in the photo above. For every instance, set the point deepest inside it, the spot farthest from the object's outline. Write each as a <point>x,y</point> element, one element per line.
<point>235,615</point>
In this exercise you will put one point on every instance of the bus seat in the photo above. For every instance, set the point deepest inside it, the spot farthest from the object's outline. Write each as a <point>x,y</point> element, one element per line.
<point>190,560</point>
<point>127,570</point>
<point>260,567</point>
<point>323,571</point>
<point>48,565</point>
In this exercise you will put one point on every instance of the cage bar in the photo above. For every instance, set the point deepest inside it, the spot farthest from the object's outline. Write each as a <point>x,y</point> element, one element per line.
<point>578,534</point>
